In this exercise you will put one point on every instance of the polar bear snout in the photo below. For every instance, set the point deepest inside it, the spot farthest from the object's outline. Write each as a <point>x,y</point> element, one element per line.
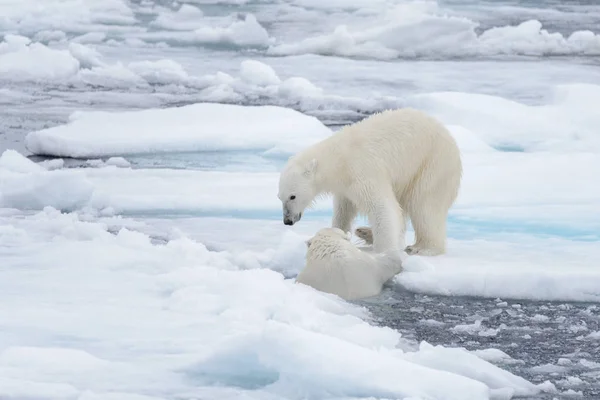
<point>291,219</point>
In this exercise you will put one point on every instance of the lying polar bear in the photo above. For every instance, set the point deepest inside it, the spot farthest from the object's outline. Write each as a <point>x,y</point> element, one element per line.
<point>334,265</point>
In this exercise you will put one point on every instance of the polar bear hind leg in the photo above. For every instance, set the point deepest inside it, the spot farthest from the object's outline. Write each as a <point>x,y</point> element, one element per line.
<point>428,203</point>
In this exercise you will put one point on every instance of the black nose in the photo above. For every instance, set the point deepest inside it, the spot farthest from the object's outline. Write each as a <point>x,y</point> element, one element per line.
<point>288,221</point>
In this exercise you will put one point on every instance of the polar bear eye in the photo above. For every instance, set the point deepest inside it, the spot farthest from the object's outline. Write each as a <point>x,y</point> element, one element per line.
<point>292,197</point>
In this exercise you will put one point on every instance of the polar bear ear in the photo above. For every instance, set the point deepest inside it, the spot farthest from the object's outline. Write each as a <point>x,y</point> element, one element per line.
<point>311,167</point>
<point>308,242</point>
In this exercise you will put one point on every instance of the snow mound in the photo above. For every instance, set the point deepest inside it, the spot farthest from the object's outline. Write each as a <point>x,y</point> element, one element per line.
<point>460,361</point>
<point>26,185</point>
<point>258,73</point>
<point>247,32</point>
<point>201,323</point>
<point>185,18</point>
<point>13,161</point>
<point>548,269</point>
<point>421,29</point>
<point>67,15</point>
<point>256,84</point>
<point>21,60</point>
<point>486,258</point>
<point>197,127</point>
<point>568,123</point>
<point>238,31</point>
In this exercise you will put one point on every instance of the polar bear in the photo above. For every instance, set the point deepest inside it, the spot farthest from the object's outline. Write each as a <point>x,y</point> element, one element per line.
<point>334,265</point>
<point>390,163</point>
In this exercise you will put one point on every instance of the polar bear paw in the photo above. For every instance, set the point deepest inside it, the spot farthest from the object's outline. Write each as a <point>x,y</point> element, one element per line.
<point>365,233</point>
<point>422,251</point>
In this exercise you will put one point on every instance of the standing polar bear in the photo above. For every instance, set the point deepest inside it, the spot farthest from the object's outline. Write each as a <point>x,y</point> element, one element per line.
<point>336,266</point>
<point>392,162</point>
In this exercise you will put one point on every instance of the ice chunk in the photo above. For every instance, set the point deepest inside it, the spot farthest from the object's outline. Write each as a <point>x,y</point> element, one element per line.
<point>275,357</point>
<point>25,389</point>
<point>118,162</point>
<point>90,37</point>
<point>200,321</point>
<point>239,31</point>
<point>246,32</point>
<point>197,127</point>
<point>160,71</point>
<point>493,355</point>
<point>258,73</point>
<point>50,165</point>
<point>21,60</point>
<point>460,361</point>
<point>26,185</point>
<point>50,359</point>
<point>568,123</point>
<point>422,29</point>
<point>12,160</point>
<point>186,18</point>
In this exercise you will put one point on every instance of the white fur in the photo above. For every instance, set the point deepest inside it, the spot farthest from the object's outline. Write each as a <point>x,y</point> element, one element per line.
<point>334,265</point>
<point>391,162</point>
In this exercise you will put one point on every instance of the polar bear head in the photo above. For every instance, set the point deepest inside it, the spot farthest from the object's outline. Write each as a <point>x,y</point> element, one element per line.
<point>297,189</point>
<point>334,234</point>
<point>329,244</point>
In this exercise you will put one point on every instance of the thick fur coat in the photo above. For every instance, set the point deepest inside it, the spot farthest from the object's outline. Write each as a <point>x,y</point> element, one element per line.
<point>391,166</point>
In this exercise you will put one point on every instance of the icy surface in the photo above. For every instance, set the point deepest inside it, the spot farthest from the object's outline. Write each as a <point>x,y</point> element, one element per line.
<point>167,273</point>
<point>216,313</point>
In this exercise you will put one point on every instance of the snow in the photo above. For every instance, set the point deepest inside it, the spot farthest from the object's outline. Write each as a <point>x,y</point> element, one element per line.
<point>422,29</point>
<point>28,186</point>
<point>215,315</point>
<point>238,31</point>
<point>118,162</point>
<point>71,15</point>
<point>186,18</point>
<point>21,60</point>
<point>13,161</point>
<point>157,266</point>
<point>567,123</point>
<point>496,187</point>
<point>246,32</point>
<point>197,127</point>
<point>258,73</point>
<point>493,355</point>
<point>461,361</point>
<point>594,335</point>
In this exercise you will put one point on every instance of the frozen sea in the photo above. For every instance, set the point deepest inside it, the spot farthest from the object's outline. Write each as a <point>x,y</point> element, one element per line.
<point>142,253</point>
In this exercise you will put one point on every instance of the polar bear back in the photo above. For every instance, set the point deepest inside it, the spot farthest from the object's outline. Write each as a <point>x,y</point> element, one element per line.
<point>395,145</point>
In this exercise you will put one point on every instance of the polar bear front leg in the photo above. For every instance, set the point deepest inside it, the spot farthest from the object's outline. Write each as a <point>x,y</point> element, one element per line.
<point>344,212</point>
<point>384,217</point>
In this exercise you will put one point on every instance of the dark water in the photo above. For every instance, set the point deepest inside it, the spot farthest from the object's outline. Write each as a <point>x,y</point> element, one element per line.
<point>547,341</point>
